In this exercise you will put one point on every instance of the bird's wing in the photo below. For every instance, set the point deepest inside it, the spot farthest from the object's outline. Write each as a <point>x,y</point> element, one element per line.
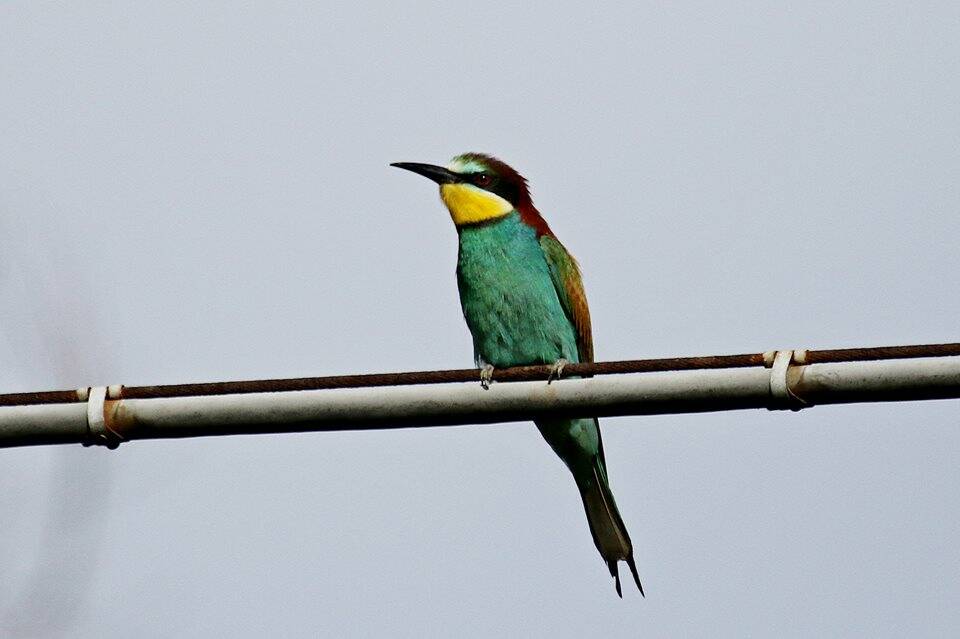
<point>565,274</point>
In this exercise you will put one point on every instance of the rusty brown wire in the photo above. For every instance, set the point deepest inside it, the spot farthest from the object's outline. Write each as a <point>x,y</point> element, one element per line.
<point>521,373</point>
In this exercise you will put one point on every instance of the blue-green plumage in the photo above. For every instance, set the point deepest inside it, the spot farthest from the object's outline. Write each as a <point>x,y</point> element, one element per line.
<point>523,301</point>
<point>516,318</point>
<point>508,296</point>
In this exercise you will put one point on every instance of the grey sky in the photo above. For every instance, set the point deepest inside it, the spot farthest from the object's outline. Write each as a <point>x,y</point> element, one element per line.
<point>197,191</point>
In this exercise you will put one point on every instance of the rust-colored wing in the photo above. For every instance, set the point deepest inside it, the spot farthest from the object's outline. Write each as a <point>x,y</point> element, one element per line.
<point>566,279</point>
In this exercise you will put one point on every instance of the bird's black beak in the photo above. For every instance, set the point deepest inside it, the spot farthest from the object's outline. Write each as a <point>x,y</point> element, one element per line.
<point>438,174</point>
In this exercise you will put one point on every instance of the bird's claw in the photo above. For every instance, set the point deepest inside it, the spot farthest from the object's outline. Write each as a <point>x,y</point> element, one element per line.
<point>557,369</point>
<point>486,376</point>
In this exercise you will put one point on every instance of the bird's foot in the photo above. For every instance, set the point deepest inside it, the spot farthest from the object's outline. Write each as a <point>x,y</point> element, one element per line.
<point>557,369</point>
<point>486,376</point>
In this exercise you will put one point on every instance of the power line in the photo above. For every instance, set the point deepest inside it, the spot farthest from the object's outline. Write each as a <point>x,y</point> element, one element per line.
<point>517,374</point>
<point>774,380</point>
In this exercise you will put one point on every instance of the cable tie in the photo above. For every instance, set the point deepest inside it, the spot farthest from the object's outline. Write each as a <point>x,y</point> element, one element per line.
<point>99,432</point>
<point>780,392</point>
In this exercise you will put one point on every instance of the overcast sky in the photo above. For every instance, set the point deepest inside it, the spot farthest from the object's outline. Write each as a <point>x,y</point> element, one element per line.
<point>201,192</point>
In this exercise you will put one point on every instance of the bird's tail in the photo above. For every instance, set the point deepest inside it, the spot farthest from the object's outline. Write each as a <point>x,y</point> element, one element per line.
<point>606,525</point>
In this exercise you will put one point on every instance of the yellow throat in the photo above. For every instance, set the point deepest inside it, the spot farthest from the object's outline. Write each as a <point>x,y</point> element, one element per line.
<point>469,204</point>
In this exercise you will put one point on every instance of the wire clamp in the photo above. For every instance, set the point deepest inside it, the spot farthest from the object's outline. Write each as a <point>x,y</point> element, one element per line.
<point>100,431</point>
<point>781,395</point>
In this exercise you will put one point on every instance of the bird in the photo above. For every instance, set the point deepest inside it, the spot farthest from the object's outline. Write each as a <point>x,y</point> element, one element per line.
<point>523,300</point>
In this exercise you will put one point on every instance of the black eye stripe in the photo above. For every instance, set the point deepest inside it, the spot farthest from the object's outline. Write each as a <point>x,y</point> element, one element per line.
<point>481,179</point>
<point>491,182</point>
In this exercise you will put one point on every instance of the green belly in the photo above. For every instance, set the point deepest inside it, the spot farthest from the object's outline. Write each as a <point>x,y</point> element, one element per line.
<point>508,298</point>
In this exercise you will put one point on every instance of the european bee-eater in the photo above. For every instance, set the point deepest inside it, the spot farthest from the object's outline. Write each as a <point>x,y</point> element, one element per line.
<point>523,299</point>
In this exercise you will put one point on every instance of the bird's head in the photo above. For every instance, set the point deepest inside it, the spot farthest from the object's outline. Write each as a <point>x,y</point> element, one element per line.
<point>476,188</point>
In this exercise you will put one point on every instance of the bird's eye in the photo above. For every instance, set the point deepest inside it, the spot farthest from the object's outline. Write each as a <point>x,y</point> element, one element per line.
<point>482,179</point>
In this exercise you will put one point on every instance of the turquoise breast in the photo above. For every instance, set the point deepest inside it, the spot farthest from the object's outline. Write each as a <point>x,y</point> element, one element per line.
<point>508,297</point>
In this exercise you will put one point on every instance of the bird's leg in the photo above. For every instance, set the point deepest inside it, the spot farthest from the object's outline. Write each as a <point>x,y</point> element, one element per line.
<point>486,376</point>
<point>557,369</point>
